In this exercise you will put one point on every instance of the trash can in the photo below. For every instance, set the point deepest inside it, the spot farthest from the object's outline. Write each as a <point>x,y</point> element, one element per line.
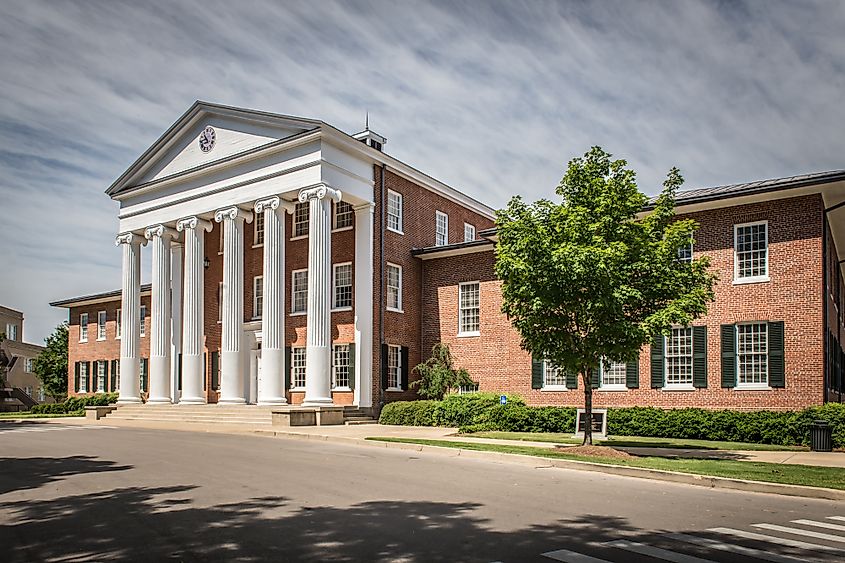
<point>821,436</point>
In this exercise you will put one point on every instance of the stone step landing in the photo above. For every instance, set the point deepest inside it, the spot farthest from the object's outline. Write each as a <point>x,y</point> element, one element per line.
<point>218,414</point>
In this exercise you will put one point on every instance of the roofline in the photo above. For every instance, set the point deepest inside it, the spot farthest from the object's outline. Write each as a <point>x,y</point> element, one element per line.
<point>96,297</point>
<point>456,249</point>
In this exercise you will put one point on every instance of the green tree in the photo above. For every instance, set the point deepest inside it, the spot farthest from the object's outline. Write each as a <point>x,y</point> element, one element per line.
<point>51,364</point>
<point>590,279</point>
<point>438,375</point>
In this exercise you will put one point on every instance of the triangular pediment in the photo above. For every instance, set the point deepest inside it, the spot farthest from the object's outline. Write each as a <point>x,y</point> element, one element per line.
<point>187,147</point>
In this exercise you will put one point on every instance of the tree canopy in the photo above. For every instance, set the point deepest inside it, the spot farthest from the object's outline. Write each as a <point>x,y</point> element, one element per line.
<point>438,375</point>
<point>51,363</point>
<point>594,277</point>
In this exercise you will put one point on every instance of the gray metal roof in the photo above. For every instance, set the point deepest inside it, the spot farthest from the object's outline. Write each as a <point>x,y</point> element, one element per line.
<point>73,301</point>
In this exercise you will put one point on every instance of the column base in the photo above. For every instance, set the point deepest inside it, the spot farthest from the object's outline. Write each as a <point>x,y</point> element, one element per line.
<point>318,402</point>
<point>273,401</point>
<point>192,401</point>
<point>159,401</point>
<point>129,401</point>
<point>232,401</point>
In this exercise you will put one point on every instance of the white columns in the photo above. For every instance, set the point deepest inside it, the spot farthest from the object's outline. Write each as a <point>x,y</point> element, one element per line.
<point>364,305</point>
<point>271,389</point>
<point>232,362</point>
<point>130,338</point>
<point>193,330</point>
<point>160,320</point>
<point>175,319</point>
<point>318,390</point>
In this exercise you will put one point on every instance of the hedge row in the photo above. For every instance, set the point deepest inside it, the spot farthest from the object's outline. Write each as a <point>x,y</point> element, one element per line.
<point>482,411</point>
<point>75,404</point>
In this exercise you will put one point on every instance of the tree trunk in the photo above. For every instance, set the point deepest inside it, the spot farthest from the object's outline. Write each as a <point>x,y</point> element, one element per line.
<point>586,374</point>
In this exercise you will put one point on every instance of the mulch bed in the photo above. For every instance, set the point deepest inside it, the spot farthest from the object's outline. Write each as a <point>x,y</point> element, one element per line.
<point>595,451</point>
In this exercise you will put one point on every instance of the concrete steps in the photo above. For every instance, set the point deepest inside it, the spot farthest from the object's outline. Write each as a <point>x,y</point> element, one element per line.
<point>353,416</point>
<point>219,414</point>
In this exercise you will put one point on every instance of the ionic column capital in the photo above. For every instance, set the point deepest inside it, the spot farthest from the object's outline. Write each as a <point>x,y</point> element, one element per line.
<point>129,238</point>
<point>193,223</point>
<point>233,213</point>
<point>319,192</point>
<point>160,231</point>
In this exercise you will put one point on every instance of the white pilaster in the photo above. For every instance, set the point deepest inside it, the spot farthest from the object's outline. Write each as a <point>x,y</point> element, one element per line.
<point>130,338</point>
<point>318,335</point>
<point>193,328</point>
<point>232,382</point>
<point>364,305</point>
<point>160,237</point>
<point>272,385</point>
<point>175,319</point>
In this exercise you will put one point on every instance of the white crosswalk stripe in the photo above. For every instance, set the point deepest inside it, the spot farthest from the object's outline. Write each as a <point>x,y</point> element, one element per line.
<point>828,525</point>
<point>568,556</point>
<point>774,539</point>
<point>656,552</point>
<point>800,532</point>
<point>839,518</point>
<point>734,548</point>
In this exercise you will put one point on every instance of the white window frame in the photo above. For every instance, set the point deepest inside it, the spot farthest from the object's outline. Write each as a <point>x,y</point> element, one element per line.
<point>297,355</point>
<point>41,394</point>
<point>28,391</point>
<point>750,279</point>
<point>300,205</point>
<point>469,232</point>
<point>257,297</point>
<point>399,217</point>
<point>83,377</point>
<point>349,375</point>
<point>335,306</point>
<point>391,348</point>
<point>83,327</point>
<point>259,219</point>
<point>441,238</point>
<point>101,372</point>
<point>143,321</point>
<point>398,308</point>
<point>12,332</point>
<point>29,365</point>
<point>612,386</point>
<point>548,367</point>
<point>678,386</point>
<point>351,212</point>
<point>293,310</point>
<point>118,319</point>
<point>461,308</point>
<point>467,389</point>
<point>752,386</point>
<point>684,259</point>
<point>101,326</point>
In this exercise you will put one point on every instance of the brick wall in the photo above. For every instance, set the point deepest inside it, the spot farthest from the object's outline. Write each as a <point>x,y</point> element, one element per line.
<point>793,295</point>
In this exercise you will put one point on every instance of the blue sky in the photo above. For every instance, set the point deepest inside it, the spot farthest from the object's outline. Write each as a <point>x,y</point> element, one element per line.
<point>492,98</point>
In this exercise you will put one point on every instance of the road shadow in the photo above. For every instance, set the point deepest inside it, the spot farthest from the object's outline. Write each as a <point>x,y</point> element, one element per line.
<point>32,472</point>
<point>164,523</point>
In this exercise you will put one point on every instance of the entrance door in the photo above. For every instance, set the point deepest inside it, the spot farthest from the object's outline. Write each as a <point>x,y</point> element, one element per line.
<point>254,376</point>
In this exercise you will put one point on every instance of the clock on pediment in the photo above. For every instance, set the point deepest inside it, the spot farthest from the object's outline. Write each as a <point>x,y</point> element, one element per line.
<point>207,138</point>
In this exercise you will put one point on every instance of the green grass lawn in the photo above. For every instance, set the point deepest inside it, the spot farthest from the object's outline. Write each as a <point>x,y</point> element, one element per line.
<point>812,476</point>
<point>8,415</point>
<point>634,441</point>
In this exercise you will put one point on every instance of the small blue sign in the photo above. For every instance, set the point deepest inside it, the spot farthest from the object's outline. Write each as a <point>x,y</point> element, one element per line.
<point>503,400</point>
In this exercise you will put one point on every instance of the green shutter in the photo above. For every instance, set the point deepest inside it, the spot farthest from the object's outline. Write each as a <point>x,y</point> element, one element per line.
<point>215,370</point>
<point>90,377</point>
<point>352,366</point>
<point>179,373</point>
<point>699,356</point>
<point>571,379</point>
<point>287,367</point>
<point>383,366</point>
<point>777,375</point>
<point>204,371</point>
<point>595,377</point>
<point>728,355</point>
<point>632,374</point>
<point>106,376</point>
<point>536,373</point>
<point>145,374</point>
<point>657,349</point>
<point>405,370</point>
<point>76,369</point>
<point>113,382</point>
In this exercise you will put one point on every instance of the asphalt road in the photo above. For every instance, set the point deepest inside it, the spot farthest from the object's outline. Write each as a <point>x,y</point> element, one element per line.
<point>78,493</point>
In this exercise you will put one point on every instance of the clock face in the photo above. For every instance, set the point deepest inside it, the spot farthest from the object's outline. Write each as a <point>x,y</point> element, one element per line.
<point>207,138</point>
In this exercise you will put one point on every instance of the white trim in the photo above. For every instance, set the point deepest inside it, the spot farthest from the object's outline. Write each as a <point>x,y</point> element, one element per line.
<point>255,230</point>
<point>300,237</point>
<point>85,324</point>
<point>335,205</point>
<point>751,279</point>
<point>142,321</point>
<point>351,286</point>
<point>294,312</point>
<point>469,333</point>
<point>105,321</point>
<point>474,232</point>
<point>398,309</point>
<point>401,212</point>
<point>118,323</point>
<point>553,388</point>
<point>437,216</point>
<point>256,310</point>
<point>342,229</point>
<point>399,366</point>
<point>750,386</point>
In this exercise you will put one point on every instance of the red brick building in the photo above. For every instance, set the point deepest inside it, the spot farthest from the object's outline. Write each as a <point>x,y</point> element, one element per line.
<point>263,225</point>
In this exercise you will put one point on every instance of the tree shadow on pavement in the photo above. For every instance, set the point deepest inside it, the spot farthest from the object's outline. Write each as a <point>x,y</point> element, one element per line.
<point>33,472</point>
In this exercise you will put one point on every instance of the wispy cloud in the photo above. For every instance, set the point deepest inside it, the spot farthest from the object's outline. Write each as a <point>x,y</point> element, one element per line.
<point>491,97</point>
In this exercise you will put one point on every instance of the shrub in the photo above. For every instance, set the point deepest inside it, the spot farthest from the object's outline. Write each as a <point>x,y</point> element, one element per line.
<point>408,413</point>
<point>438,374</point>
<point>75,404</point>
<point>462,410</point>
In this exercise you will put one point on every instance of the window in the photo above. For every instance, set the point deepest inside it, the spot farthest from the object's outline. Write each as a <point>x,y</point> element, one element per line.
<point>340,366</point>
<point>29,366</point>
<point>752,350</point>
<point>298,367</point>
<point>41,396</point>
<point>101,325</point>
<point>441,234</point>
<point>343,215</point>
<point>751,252</point>
<point>394,211</point>
<point>12,331</point>
<point>101,376</point>
<point>394,287</point>
<point>119,320</point>
<point>469,232</point>
<point>469,314</point>
<point>685,253</point>
<point>83,377</point>
<point>300,220</point>
<point>257,296</point>
<point>258,235</point>
<point>613,376</point>
<point>28,390</point>
<point>394,367</point>
<point>342,283</point>
<point>299,295</point>
<point>143,375</point>
<point>466,389</point>
<point>143,320</point>
<point>83,327</point>
<point>553,376</point>
<point>679,358</point>
<point>219,302</point>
